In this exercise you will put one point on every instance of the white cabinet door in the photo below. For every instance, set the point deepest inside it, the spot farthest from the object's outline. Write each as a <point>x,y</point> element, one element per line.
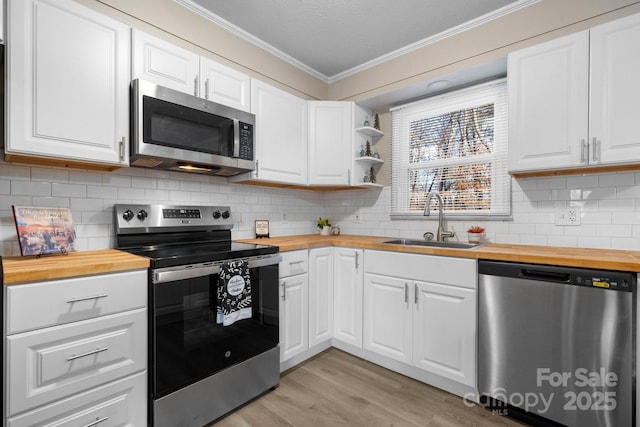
<point>548,104</point>
<point>320,295</point>
<point>615,67</point>
<point>387,326</point>
<point>68,83</point>
<point>224,85</point>
<point>164,63</point>
<point>281,135</point>
<point>347,296</point>
<point>445,331</point>
<point>330,142</point>
<point>294,316</point>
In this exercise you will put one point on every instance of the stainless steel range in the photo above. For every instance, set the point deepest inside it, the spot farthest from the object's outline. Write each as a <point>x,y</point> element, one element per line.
<point>213,311</point>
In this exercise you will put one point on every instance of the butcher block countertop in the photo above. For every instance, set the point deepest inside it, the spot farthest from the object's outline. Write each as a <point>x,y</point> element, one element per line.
<point>50,267</point>
<point>608,259</point>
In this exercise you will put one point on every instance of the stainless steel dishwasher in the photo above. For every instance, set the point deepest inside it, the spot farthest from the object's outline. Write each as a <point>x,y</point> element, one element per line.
<point>557,343</point>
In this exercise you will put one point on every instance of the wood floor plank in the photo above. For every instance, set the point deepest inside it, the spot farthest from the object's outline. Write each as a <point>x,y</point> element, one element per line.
<point>337,389</point>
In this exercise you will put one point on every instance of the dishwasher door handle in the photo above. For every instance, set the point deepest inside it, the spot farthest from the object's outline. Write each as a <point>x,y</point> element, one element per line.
<point>547,276</point>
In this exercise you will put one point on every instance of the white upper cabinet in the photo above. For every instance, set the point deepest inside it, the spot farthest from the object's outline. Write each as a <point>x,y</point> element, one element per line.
<point>615,67</point>
<point>164,63</point>
<point>548,87</point>
<point>224,85</point>
<point>158,61</point>
<point>330,142</point>
<point>281,135</point>
<point>337,145</point>
<point>573,100</point>
<point>68,84</point>
<point>2,21</point>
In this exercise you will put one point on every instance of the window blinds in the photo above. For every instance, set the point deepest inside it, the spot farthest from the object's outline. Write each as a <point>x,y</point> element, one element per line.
<point>455,144</point>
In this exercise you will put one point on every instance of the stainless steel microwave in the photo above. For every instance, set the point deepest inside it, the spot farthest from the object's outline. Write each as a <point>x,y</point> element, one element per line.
<point>172,130</point>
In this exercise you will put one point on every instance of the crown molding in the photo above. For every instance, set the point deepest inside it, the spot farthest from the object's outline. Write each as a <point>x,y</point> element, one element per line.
<point>481,20</point>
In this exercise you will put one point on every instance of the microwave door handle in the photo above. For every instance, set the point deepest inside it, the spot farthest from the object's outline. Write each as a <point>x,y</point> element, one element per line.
<point>236,138</point>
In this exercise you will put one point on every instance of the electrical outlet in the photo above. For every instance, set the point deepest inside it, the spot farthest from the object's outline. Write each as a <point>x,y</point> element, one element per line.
<point>283,218</point>
<point>356,216</point>
<point>568,216</point>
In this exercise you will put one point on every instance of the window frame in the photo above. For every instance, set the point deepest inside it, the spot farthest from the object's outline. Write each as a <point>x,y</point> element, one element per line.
<point>494,91</point>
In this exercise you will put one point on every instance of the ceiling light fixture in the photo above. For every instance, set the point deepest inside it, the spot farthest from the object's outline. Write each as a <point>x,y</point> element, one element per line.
<point>438,85</point>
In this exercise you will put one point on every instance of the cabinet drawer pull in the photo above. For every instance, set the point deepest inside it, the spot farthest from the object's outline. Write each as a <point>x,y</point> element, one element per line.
<point>196,84</point>
<point>595,149</point>
<point>88,353</point>
<point>206,89</point>
<point>357,259</point>
<point>582,148</point>
<point>72,300</point>
<point>96,422</point>
<point>406,293</point>
<point>284,291</point>
<point>415,294</point>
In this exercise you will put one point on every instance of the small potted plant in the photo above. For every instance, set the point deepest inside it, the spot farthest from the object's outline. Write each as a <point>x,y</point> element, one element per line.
<point>475,234</point>
<point>324,224</point>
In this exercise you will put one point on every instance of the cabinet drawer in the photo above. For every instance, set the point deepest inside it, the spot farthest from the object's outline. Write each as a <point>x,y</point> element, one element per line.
<point>53,363</point>
<point>120,403</point>
<point>42,304</point>
<point>294,262</point>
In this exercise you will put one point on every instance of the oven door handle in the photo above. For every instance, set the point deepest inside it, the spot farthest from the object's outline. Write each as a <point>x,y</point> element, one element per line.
<point>207,269</point>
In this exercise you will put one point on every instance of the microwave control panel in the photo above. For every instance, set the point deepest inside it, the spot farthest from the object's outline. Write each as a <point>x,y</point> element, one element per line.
<point>246,141</point>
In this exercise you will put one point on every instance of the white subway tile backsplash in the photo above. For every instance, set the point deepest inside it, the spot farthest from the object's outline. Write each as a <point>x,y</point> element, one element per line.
<point>616,179</point>
<point>49,174</point>
<point>68,190</point>
<point>610,213</point>
<point>30,188</point>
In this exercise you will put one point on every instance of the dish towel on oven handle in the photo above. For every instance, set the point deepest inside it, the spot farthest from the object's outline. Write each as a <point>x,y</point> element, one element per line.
<point>234,293</point>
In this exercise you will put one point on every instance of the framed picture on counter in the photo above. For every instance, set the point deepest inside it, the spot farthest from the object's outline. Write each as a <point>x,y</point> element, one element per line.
<point>262,228</point>
<point>43,231</point>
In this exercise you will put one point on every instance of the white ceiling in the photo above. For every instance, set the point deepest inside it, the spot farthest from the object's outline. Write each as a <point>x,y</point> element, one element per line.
<point>332,39</point>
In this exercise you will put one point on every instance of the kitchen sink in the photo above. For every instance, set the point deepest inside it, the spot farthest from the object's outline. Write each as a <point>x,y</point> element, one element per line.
<point>431,243</point>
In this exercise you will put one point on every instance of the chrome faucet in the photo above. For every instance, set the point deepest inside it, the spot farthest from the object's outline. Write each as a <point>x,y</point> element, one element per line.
<point>441,234</point>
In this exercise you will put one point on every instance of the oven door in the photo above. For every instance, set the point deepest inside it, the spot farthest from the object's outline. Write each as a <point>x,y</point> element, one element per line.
<point>186,342</point>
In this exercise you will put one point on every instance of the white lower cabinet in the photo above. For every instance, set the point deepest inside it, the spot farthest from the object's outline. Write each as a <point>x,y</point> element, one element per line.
<point>294,315</point>
<point>306,304</point>
<point>320,295</point>
<point>421,310</point>
<point>82,359</point>
<point>388,316</point>
<point>294,300</point>
<point>444,331</point>
<point>347,296</point>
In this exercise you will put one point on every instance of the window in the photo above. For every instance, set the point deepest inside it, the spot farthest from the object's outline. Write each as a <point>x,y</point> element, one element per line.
<point>455,144</point>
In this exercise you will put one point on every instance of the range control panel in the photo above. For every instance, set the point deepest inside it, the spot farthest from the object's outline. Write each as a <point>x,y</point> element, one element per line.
<point>145,218</point>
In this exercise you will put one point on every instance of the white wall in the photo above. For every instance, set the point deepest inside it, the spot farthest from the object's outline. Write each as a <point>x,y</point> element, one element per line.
<point>610,206</point>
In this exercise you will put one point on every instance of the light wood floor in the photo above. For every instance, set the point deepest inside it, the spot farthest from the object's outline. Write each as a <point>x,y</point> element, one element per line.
<point>338,389</point>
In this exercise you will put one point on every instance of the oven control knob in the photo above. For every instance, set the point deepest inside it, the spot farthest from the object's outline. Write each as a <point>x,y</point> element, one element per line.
<point>226,214</point>
<point>127,215</point>
<point>217,214</point>
<point>142,215</point>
